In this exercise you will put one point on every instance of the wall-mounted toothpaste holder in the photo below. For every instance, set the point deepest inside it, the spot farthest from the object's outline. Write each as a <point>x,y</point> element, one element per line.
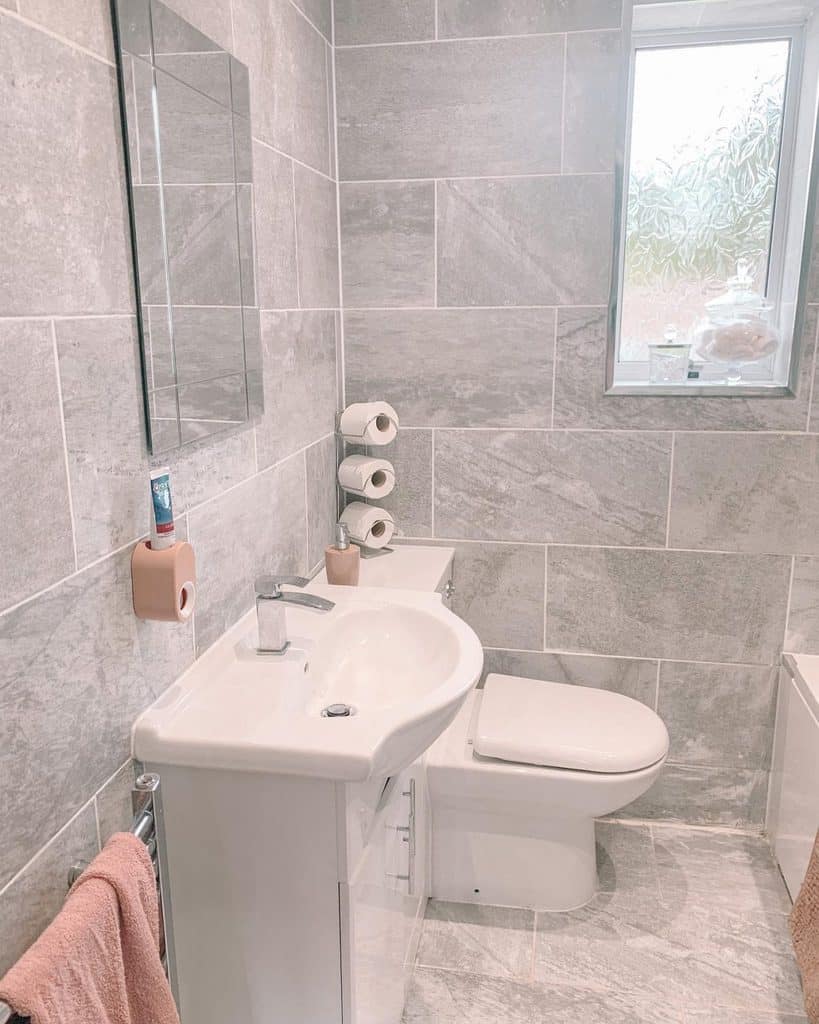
<point>164,582</point>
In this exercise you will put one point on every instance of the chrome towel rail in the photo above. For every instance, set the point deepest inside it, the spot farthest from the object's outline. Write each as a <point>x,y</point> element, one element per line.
<point>145,800</point>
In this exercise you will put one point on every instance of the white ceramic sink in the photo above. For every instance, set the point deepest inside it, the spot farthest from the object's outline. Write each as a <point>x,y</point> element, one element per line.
<point>401,659</point>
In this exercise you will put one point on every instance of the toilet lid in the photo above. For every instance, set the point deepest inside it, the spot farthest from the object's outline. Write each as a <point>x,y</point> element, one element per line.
<point>564,726</point>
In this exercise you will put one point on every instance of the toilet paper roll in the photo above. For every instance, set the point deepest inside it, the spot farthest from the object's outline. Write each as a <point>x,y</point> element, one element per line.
<point>373,423</point>
<point>367,477</point>
<point>369,526</point>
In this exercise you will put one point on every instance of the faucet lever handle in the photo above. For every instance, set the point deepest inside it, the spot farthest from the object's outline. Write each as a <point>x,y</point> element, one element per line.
<point>270,586</point>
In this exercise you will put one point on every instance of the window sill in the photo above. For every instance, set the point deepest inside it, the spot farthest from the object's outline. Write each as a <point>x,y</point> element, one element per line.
<point>700,389</point>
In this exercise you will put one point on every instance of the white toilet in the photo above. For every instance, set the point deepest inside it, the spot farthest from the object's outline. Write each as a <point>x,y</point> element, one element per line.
<point>519,777</point>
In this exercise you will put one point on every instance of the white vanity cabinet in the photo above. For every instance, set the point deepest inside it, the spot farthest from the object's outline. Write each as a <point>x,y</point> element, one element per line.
<point>293,900</point>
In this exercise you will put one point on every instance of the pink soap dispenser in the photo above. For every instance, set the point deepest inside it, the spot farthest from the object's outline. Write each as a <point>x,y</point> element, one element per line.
<point>342,560</point>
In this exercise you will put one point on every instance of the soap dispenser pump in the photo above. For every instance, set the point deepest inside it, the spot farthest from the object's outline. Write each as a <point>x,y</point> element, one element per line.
<point>343,560</point>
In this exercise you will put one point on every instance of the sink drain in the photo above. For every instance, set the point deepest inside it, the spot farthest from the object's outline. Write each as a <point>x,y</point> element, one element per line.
<point>338,711</point>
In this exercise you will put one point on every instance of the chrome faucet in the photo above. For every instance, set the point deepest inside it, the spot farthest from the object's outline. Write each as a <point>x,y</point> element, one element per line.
<point>270,611</point>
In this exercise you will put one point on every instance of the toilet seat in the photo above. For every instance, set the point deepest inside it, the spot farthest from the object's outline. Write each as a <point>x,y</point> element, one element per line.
<point>555,725</point>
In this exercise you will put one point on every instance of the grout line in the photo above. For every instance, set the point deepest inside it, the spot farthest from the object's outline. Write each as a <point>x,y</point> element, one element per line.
<point>657,687</point>
<point>475,39</point>
<point>301,163</point>
<point>625,657</point>
<point>331,121</point>
<point>563,105</point>
<point>16,16</point>
<point>97,823</point>
<point>80,810</point>
<point>306,518</point>
<point>62,317</point>
<point>232,28</point>
<point>481,177</point>
<point>788,606</point>
<point>437,32</point>
<point>309,22</point>
<point>295,230</point>
<point>670,487</point>
<point>341,352</point>
<point>545,591</point>
<point>432,484</point>
<point>66,460</point>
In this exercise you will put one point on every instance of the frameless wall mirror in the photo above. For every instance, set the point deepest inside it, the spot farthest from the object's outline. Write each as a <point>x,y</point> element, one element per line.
<point>716,187</point>
<point>186,121</point>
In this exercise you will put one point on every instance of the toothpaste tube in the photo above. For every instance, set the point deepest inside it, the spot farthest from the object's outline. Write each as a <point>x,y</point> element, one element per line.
<point>163,533</point>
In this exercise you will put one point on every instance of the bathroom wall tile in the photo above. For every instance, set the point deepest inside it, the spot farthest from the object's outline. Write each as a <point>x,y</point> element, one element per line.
<point>86,22</point>
<point>698,795</point>
<point>299,382</point>
<point>114,807</point>
<point>317,239</point>
<point>524,241</point>
<point>278,45</point>
<point>265,518</point>
<point>451,110</point>
<point>322,508</point>
<point>77,669</point>
<point>32,464</point>
<point>802,635</point>
<point>275,229</point>
<point>329,63</point>
<point>516,17</point>
<point>718,715</point>
<point>454,368</point>
<point>490,941</point>
<point>636,679</point>
<point>384,21</point>
<point>411,501</point>
<point>593,61</point>
<point>201,471</point>
<point>72,248</point>
<point>211,17</point>
<point>667,604</point>
<point>580,400</point>
<point>552,486</point>
<point>35,898</point>
<point>746,492</point>
<point>499,591</point>
<point>387,243</point>
<point>320,13</point>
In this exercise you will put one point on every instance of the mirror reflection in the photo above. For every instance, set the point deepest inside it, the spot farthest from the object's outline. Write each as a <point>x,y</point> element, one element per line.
<point>186,113</point>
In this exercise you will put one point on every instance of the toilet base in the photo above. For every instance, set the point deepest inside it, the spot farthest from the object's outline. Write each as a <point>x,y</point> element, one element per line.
<point>480,857</point>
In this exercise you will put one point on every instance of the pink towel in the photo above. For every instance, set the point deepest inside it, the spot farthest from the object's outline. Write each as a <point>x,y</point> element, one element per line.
<point>98,962</point>
<point>805,934</point>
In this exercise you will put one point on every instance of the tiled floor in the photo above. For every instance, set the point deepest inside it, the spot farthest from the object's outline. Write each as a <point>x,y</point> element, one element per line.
<point>690,927</point>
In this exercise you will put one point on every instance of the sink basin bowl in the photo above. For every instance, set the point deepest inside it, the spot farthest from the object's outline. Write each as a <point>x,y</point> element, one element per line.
<point>401,660</point>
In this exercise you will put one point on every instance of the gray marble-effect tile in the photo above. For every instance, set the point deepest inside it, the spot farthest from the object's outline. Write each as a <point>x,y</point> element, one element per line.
<point>411,501</point>
<point>322,510</point>
<point>203,245</point>
<point>86,22</point>
<point>481,107</point>
<point>491,941</point>
<point>802,635</point>
<point>667,604</point>
<point>320,13</point>
<point>720,1015</point>
<point>275,229</point>
<point>552,486</point>
<point>32,463</point>
<point>114,807</point>
<point>718,869</point>
<point>266,519</point>
<point>593,64</point>
<point>317,239</point>
<point>626,863</point>
<point>201,471</point>
<point>387,243</point>
<point>636,679</point>
<point>454,367</point>
<point>77,667</point>
<point>525,241</point>
<point>299,382</point>
<point>195,131</point>
<point>516,17</point>
<point>450,997</point>
<point>384,21</point>
<point>212,17</point>
<point>745,492</point>
<point>697,795</point>
<point>499,591</point>
<point>329,63</point>
<point>581,380</point>
<point>72,252</point>
<point>278,45</point>
<point>34,899</point>
<point>718,715</point>
<point>207,343</point>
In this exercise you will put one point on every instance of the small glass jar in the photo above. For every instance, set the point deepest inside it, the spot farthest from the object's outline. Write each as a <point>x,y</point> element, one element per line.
<point>668,363</point>
<point>736,330</point>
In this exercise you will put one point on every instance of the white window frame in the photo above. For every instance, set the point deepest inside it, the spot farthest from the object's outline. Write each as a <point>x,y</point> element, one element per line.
<point>792,220</point>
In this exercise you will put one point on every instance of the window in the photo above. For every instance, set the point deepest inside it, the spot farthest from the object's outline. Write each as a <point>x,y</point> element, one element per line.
<point>713,209</point>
